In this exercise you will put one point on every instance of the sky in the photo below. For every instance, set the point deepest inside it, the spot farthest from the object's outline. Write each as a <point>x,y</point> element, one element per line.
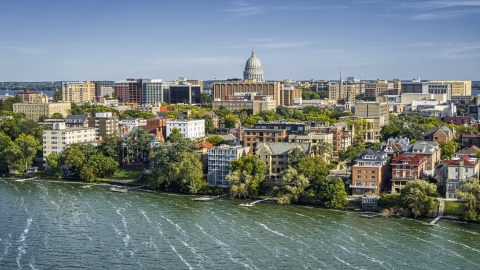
<point>72,40</point>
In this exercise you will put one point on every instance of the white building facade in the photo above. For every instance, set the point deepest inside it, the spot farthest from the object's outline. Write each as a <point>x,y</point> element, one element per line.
<point>219,160</point>
<point>459,169</point>
<point>59,138</point>
<point>191,129</point>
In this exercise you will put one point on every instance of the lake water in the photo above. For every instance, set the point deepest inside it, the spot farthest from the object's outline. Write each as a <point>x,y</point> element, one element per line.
<point>48,225</point>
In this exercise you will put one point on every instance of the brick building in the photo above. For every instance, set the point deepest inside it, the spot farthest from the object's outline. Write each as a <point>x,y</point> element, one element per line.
<point>405,168</point>
<point>370,173</point>
<point>252,136</point>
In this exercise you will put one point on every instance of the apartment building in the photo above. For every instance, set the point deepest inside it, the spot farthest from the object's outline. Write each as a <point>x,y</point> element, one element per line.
<point>341,135</point>
<point>275,155</point>
<point>458,169</point>
<point>430,150</point>
<point>406,167</point>
<point>33,111</point>
<point>251,137</point>
<point>219,159</point>
<point>78,91</point>
<point>129,90</point>
<point>104,88</point>
<point>57,139</point>
<point>105,123</point>
<point>191,129</point>
<point>76,121</point>
<point>31,97</point>
<point>291,127</point>
<point>378,88</point>
<point>370,173</point>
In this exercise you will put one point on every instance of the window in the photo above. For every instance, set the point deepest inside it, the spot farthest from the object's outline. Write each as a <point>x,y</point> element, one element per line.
<point>373,177</point>
<point>372,171</point>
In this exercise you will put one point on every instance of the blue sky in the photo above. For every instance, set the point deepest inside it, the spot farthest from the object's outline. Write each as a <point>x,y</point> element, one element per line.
<point>301,39</point>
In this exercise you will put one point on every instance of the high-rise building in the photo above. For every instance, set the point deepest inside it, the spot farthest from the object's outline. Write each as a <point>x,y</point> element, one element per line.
<point>105,123</point>
<point>367,109</point>
<point>78,91</point>
<point>129,90</point>
<point>155,91</point>
<point>378,88</point>
<point>185,93</point>
<point>104,88</point>
<point>459,88</point>
<point>253,69</point>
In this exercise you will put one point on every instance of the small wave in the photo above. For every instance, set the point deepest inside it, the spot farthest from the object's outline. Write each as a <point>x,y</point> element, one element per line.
<point>270,230</point>
<point>211,236</point>
<point>21,242</point>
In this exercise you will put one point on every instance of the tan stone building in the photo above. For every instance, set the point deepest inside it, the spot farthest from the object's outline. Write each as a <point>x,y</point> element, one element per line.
<point>78,91</point>
<point>459,88</point>
<point>223,89</point>
<point>275,155</point>
<point>378,88</point>
<point>32,97</point>
<point>289,94</point>
<point>341,135</point>
<point>251,137</point>
<point>33,111</point>
<point>366,109</point>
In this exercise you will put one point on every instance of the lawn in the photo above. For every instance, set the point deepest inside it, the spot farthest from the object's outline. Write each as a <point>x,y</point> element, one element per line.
<point>453,208</point>
<point>127,173</point>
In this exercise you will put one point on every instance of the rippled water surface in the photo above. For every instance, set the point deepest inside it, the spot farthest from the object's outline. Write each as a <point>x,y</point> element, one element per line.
<point>46,225</point>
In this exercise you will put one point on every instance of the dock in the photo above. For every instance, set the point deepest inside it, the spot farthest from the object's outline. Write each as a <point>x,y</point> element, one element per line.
<point>121,190</point>
<point>25,179</point>
<point>207,199</point>
<point>440,213</point>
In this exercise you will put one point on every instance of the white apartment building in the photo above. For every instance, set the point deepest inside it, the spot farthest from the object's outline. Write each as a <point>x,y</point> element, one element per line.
<point>191,129</point>
<point>219,160</point>
<point>59,138</point>
<point>458,169</point>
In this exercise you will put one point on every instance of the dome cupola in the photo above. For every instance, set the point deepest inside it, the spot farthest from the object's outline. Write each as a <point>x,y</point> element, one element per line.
<point>253,68</point>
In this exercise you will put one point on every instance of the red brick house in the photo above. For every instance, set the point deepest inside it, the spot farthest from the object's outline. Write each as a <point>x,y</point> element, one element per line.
<point>459,120</point>
<point>406,167</point>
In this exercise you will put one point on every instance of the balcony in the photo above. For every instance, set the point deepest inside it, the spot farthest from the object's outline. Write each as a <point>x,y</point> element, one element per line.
<point>363,186</point>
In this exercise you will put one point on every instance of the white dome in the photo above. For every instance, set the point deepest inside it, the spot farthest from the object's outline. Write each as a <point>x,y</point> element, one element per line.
<point>253,68</point>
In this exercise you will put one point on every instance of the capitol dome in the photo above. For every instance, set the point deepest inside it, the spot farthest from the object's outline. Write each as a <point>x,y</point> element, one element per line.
<point>253,68</point>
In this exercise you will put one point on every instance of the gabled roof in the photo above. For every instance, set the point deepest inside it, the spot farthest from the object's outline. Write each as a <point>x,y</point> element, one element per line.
<point>207,145</point>
<point>376,156</point>
<point>468,151</point>
<point>424,147</point>
<point>282,148</point>
<point>411,159</point>
<point>432,131</point>
<point>467,161</point>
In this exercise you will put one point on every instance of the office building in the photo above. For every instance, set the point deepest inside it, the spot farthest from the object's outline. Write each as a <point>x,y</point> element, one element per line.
<point>78,91</point>
<point>129,90</point>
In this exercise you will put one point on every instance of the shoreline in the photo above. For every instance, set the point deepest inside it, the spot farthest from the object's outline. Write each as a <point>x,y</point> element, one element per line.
<point>124,183</point>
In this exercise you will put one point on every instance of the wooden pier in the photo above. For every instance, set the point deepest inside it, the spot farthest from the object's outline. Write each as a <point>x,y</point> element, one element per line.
<point>207,199</point>
<point>440,213</point>
<point>25,179</point>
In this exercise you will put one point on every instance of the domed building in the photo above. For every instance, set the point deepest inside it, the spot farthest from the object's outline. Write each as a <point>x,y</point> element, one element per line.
<point>253,69</point>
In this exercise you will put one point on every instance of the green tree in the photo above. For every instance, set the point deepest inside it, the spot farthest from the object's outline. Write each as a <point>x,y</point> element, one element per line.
<point>292,185</point>
<point>111,146</point>
<point>313,167</point>
<point>470,191</point>
<point>76,110</point>
<point>332,192</point>
<point>230,121</point>
<point>209,124</point>
<point>417,196</point>
<point>7,104</point>
<point>55,162</point>
<point>448,149</point>
<point>57,116</point>
<point>216,140</point>
<point>74,158</point>
<point>247,173</point>
<point>188,173</point>
<point>323,149</point>
<point>388,131</point>
<point>294,156</point>
<point>136,114</point>
<point>175,135</point>
<point>88,150</point>
<point>206,100</point>
<point>251,120</point>
<point>21,152</point>
<point>138,143</point>
<point>42,118</point>
<point>5,142</point>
